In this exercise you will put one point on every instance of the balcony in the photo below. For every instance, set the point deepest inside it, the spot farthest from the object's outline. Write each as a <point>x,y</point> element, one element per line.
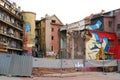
<point>10,8</point>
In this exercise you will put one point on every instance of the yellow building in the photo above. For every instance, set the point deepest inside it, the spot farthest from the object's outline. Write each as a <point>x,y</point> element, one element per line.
<point>29,31</point>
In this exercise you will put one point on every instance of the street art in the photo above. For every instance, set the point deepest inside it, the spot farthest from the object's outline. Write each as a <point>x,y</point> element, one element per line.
<point>32,40</point>
<point>95,47</point>
<point>98,45</point>
<point>24,18</point>
<point>97,25</point>
<point>27,27</point>
<point>28,35</point>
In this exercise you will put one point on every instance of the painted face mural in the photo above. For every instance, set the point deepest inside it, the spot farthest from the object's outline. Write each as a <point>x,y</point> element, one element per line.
<point>99,45</point>
<point>95,46</point>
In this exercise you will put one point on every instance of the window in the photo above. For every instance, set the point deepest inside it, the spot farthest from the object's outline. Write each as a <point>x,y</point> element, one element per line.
<point>52,37</point>
<point>118,26</point>
<point>111,43</point>
<point>53,21</point>
<point>0,14</point>
<point>52,48</point>
<point>110,23</point>
<point>119,41</point>
<point>52,29</point>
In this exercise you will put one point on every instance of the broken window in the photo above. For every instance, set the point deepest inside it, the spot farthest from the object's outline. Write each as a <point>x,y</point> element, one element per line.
<point>53,21</point>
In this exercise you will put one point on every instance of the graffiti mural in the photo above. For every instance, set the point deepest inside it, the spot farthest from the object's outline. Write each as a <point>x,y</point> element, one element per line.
<point>95,47</point>
<point>100,45</point>
<point>27,27</point>
<point>29,34</point>
<point>96,26</point>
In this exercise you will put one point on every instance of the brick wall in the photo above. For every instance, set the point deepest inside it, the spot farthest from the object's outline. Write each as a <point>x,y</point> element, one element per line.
<point>108,28</point>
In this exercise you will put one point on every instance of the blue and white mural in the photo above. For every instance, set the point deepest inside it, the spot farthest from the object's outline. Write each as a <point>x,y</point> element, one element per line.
<point>27,27</point>
<point>97,25</point>
<point>94,45</point>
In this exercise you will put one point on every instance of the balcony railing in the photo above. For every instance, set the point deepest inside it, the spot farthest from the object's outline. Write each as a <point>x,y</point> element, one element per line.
<point>11,7</point>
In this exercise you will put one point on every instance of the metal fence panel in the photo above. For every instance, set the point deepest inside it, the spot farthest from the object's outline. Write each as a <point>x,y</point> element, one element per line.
<point>21,65</point>
<point>15,65</point>
<point>118,65</point>
<point>5,60</point>
<point>100,63</point>
<point>71,63</point>
<point>46,63</point>
<point>56,63</point>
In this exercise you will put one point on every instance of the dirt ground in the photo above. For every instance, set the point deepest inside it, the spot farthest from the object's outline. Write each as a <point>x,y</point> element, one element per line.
<point>40,71</point>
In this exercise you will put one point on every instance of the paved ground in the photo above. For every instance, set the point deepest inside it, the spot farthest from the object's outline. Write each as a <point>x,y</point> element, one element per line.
<point>71,76</point>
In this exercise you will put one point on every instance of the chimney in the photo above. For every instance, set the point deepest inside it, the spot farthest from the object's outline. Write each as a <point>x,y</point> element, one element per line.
<point>102,11</point>
<point>19,8</point>
<point>14,5</point>
<point>46,16</point>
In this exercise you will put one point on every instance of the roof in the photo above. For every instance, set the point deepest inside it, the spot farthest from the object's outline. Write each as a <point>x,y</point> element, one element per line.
<point>56,18</point>
<point>92,15</point>
<point>44,18</point>
<point>64,28</point>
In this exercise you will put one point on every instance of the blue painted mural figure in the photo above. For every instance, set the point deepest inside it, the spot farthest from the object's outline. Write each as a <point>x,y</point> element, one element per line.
<point>27,27</point>
<point>94,44</point>
<point>95,47</point>
<point>95,26</point>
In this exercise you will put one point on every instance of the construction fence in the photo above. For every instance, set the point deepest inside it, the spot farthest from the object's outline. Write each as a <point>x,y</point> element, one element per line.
<point>15,65</point>
<point>71,63</point>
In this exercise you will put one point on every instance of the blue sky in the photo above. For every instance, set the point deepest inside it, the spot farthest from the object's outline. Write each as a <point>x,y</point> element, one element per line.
<point>67,11</point>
